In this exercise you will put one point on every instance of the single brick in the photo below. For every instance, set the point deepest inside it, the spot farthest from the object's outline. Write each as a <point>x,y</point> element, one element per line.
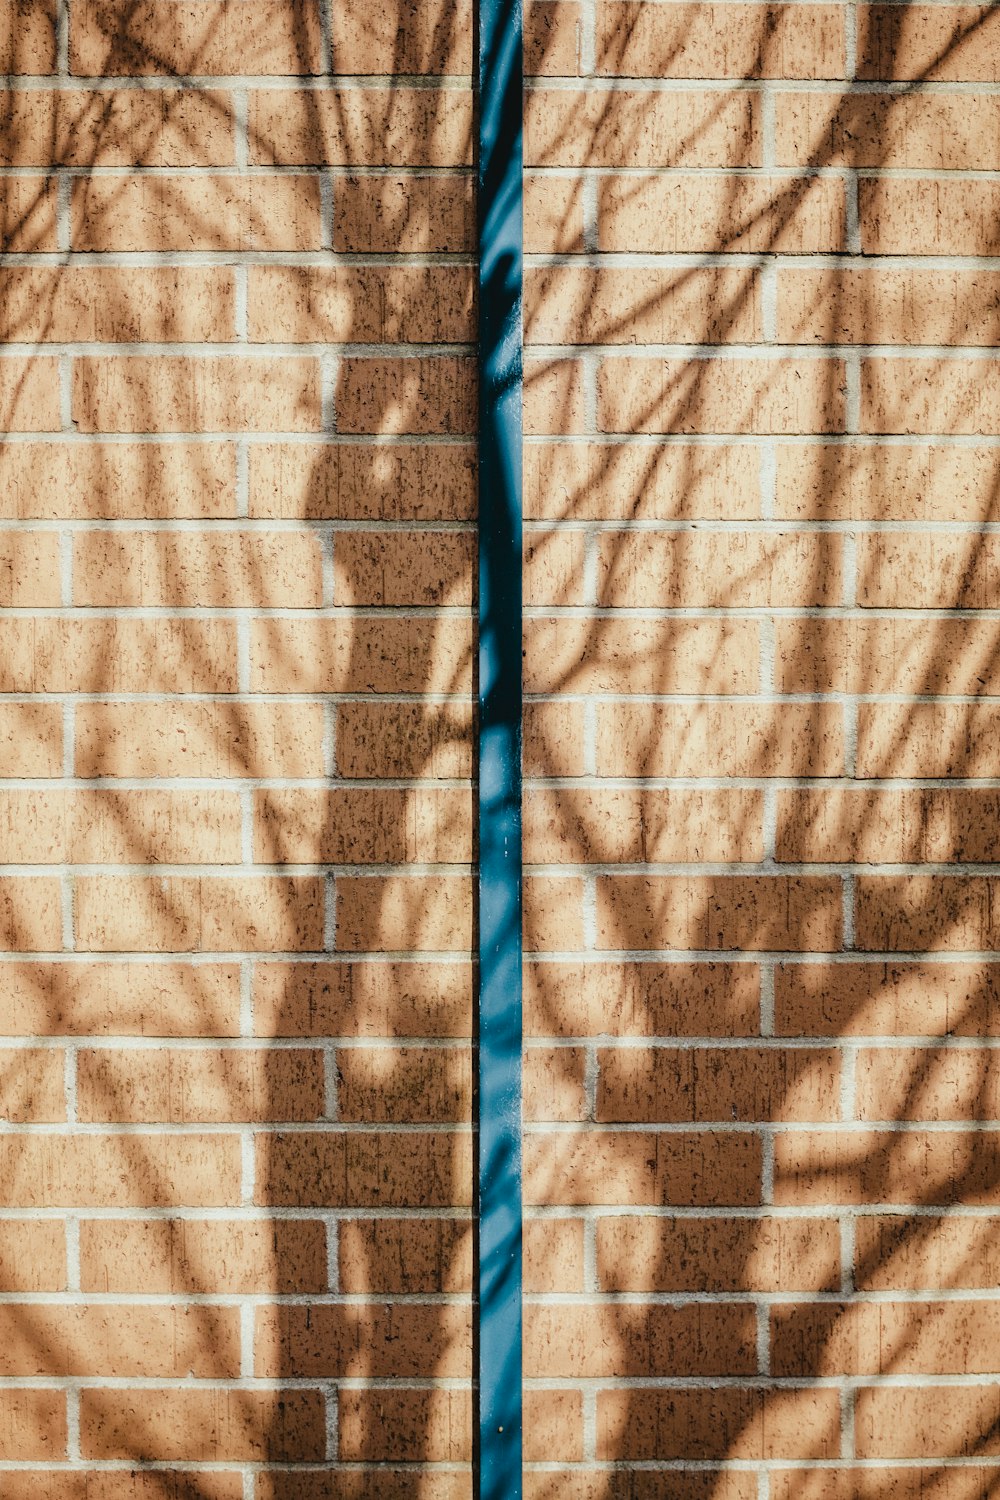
<point>717,1424</point>
<point>577,305</point>
<point>885,1166</point>
<point>33,1426</point>
<point>404,1085</point>
<point>47,654</point>
<point>119,999</point>
<point>195,393</point>
<point>384,1169</point>
<point>594,1167</point>
<point>636,39</point>
<point>377,999</point>
<point>887,999</point>
<point>553,914</point>
<point>640,999</point>
<point>198,1256</point>
<point>926,1083</point>
<point>553,1255</point>
<point>651,1086</point>
<point>28,36</point>
<point>423,568</point>
<point>375,1426</point>
<point>117,128</point>
<point>928,1421</point>
<point>605,826</point>
<point>152,1343</point>
<point>407,481</point>
<point>935,132</point>
<point>553,739</point>
<point>580,1341</point>
<point>109,304</point>
<point>927,739</point>
<point>703,128</point>
<point>434,36</point>
<point>199,739</point>
<point>552,39</point>
<point>897,1338</point>
<point>121,37</point>
<point>33,1255</point>
<point>143,1085</point>
<point>217,569</point>
<point>641,656</point>
<point>409,1340</point>
<point>29,570</point>
<point>32,1085</point>
<point>224,1425</point>
<point>195,213</point>
<point>931,913</point>
<point>887,655</point>
<point>715,395</point>
<point>362,826</point>
<point>415,394</point>
<point>896,1253</point>
<point>719,739</point>
<point>641,1254</point>
<point>929,482</point>
<point>930,395</point>
<point>554,1081</point>
<point>722,570</point>
<point>29,395</point>
<point>554,568</point>
<point>431,740</point>
<point>95,481</point>
<point>29,914</point>
<point>555,399</point>
<point>368,305</point>
<point>101,827</point>
<point>930,217</point>
<point>692,214</point>
<point>405,1256</point>
<point>383,914</point>
<point>187,913</point>
<point>750,912</point>
<point>119,1171</point>
<point>883,827</point>
<point>924,42</point>
<point>28,214</point>
<point>929,572</point>
<point>553,214</point>
<point>30,740</point>
<point>371,127</point>
<point>888,307</point>
<point>410,214</point>
<point>361,655</point>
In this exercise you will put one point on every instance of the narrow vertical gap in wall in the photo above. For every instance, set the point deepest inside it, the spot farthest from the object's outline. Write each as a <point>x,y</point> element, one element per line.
<point>498,1020</point>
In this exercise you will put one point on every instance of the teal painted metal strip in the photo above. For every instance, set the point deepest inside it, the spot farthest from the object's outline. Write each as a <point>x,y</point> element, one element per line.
<point>498,1456</point>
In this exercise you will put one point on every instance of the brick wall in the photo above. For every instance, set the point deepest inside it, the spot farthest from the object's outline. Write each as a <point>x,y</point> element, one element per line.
<point>763,663</point>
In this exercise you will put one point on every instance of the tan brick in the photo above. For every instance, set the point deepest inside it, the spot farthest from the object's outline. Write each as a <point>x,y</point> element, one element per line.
<point>406,481</point>
<point>363,826</point>
<point>139,1085</point>
<point>888,307</point>
<point>120,1342</point>
<point>407,1340</point>
<point>395,655</point>
<point>555,399</point>
<point>553,914</point>
<point>218,569</point>
<point>369,127</point>
<point>639,1484</point>
<point>29,570</point>
<point>719,739</point>
<point>641,1254</point>
<point>925,42</point>
<point>384,1169</point>
<point>597,1167</point>
<point>640,656</point>
<point>29,395</point>
<point>653,1085</point>
<point>704,128</point>
<point>119,999</point>
<point>434,36</point>
<point>552,39</point>
<point>886,656</point>
<point>886,1166</point>
<point>574,1341</point>
<point>30,739</point>
<point>374,1426</point>
<point>117,128</point>
<point>716,395</point>
<point>553,1255</point>
<point>123,481</point>
<point>55,655</point>
<point>121,1484</point>
<point>925,912</point>
<point>415,394</point>
<point>554,568</point>
<point>887,999</point>
<point>33,1255</point>
<point>119,1171</point>
<point>360,999</point>
<point>691,214</point>
<point>116,305</point>
<point>116,36</point>
<point>930,395</point>
<point>927,739</point>
<point>411,1255</point>
<point>970,1482</point>
<point>33,1425</point>
<point>409,214</point>
<point>28,36</point>
<point>187,913</point>
<point>28,214</point>
<point>797,913</point>
<point>929,482</point>
<point>719,1424</point>
<point>930,217</point>
<point>32,1088</point>
<point>370,305</point>
<point>554,1083</point>
<point>184,1256</point>
<point>215,1425</point>
<point>398,913</point>
<point>937,132</point>
<point>929,572</point>
<point>898,1338</point>
<point>553,736</point>
<point>728,570</point>
<point>553,214</point>
<point>925,1083</point>
<point>29,914</point>
<point>919,1423</point>
<point>185,393</point>
<point>640,40</point>
<point>578,305</point>
<point>876,827</point>
<point>199,739</point>
<point>410,1085</point>
<point>403,739</point>
<point>423,568</point>
<point>138,827</point>
<point>606,826</point>
<point>195,213</point>
<point>553,1426</point>
<point>641,999</point>
<point>926,1253</point>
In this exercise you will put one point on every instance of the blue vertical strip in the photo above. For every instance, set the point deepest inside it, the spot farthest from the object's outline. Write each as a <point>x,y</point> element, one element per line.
<point>499,973</point>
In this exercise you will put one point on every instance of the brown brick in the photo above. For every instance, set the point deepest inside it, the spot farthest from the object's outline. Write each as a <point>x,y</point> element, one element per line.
<point>580,1341</point>
<point>882,827</point>
<point>926,912</point>
<point>640,40</point>
<point>887,999</point>
<point>28,36</point>
<point>925,42</point>
<point>554,567</point>
<point>32,1089</point>
<point>138,827</point>
<point>555,400</point>
<point>52,655</point>
<point>360,655</point>
<point>195,213</point>
<point>929,572</point>
<point>929,482</point>
<point>30,739</point>
<point>720,395</point>
<point>406,481</point>
<point>969,1482</point>
<point>188,913</point>
<point>369,127</point>
<point>370,305</point>
<point>608,826</point>
<point>640,1085</point>
<point>33,1256</point>
<point>886,656</point>
<point>363,999</point>
<point>639,1484</point>
<point>32,1425</point>
<point>402,739</point>
<point>199,739</point>
<point>641,656</point>
<point>406,1085</point>
<point>641,1254</point>
<point>926,1253</point>
<point>554,1083</point>
<point>553,214</point>
<point>920,1423</point>
<point>374,1426</point>
<point>553,735</point>
<point>553,1426</point>
<point>799,913</point>
<point>720,1424</point>
<point>28,214</point>
<point>214,1425</point>
<point>116,128</point>
<point>692,214</point>
<point>641,999</point>
<point>926,1083</point>
<point>29,570</point>
<point>553,914</point>
<point>927,739</point>
<point>415,394</point>
<point>119,1171</point>
<point>185,393</point>
<point>930,217</point>
<point>597,1167</point>
<point>719,739</point>
<point>930,395</point>
<point>897,1338</point>
<point>405,1256</point>
<point>217,569</point>
<point>937,132</point>
<point>578,305</point>
<point>410,214</point>
<point>888,307</point>
<point>114,37</point>
<point>121,1484</point>
<point>362,826</point>
<point>119,999</point>
<point>552,39</point>
<point>123,481</point>
<point>432,37</point>
<point>727,570</point>
<point>886,1166</point>
<point>29,914</point>
<point>202,1256</point>
<point>407,1340</point>
<point>29,395</point>
<point>116,305</point>
<point>185,1087</point>
<point>384,1169</point>
<point>423,568</point>
<point>120,1342</point>
<point>707,128</point>
<point>553,1255</point>
<point>396,913</point>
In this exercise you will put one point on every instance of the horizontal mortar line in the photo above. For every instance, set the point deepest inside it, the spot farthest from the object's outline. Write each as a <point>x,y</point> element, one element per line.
<point>853,612</point>
<point>590,1128</point>
<point>234,1383</point>
<point>588,1469</point>
<point>853,440</point>
<point>63,170</point>
<point>320,438</point>
<point>753,1382</point>
<point>747,700</point>
<point>838,90</point>
<point>557,526</point>
<point>817,261</point>
<point>699,353</point>
<point>252,870</point>
<point>123,1128</point>
<point>328,1043</point>
<point>265,350</point>
<point>255,1214</point>
<point>756,955</point>
<point>236,526</point>
<point>263,1299</point>
<point>760,1213</point>
<point>181,259</point>
<point>236,699</point>
<point>769,1298</point>
<point>195,957</point>
<point>176,82</point>
<point>537,1041</point>
<point>652,869</point>
<point>219,434</point>
<point>330,613</point>
<point>832,784</point>
<point>794,171</point>
<point>232,786</point>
